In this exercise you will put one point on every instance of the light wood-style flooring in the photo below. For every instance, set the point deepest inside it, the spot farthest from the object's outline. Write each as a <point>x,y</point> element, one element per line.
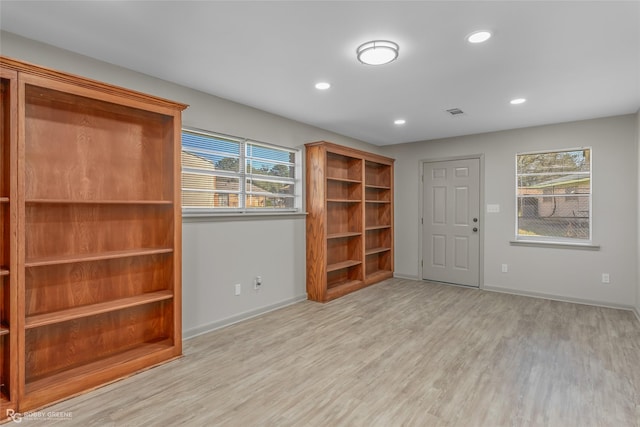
<point>400,353</point>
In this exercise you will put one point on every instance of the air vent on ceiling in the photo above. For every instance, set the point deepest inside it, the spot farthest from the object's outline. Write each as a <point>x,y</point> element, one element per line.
<point>455,111</point>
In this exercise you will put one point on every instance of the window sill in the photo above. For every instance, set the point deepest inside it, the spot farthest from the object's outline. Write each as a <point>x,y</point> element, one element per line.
<point>555,245</point>
<point>239,216</point>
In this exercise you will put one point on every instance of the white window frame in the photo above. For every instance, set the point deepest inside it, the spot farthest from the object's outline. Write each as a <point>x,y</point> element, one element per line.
<point>552,239</point>
<point>243,176</point>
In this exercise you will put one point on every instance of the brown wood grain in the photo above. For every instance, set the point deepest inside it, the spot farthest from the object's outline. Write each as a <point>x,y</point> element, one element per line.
<point>348,191</point>
<point>8,244</point>
<point>90,179</point>
<point>63,286</point>
<point>76,229</point>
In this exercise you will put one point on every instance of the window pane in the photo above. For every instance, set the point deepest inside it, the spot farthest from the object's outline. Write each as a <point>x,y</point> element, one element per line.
<point>534,183</point>
<point>257,167</point>
<point>554,194</point>
<point>269,187</point>
<point>207,143</point>
<point>554,162</point>
<point>209,199</point>
<point>270,153</point>
<point>203,161</point>
<point>563,217</point>
<point>260,201</point>
<point>220,172</point>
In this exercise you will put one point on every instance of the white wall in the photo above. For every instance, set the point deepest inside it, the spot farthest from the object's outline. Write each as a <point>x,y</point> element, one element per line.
<point>217,253</point>
<point>638,260</point>
<point>563,273</point>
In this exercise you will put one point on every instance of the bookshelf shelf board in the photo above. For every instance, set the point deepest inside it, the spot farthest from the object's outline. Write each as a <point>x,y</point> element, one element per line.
<point>99,202</point>
<point>94,309</point>
<point>377,227</point>
<point>67,259</point>
<point>373,251</point>
<point>354,181</point>
<point>343,264</point>
<point>343,235</point>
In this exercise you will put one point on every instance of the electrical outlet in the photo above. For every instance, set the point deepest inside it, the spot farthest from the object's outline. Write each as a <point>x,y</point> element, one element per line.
<point>605,278</point>
<point>257,283</point>
<point>238,288</point>
<point>505,268</point>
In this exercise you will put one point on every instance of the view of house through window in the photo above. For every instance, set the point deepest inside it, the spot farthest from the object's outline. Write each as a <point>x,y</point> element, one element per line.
<point>554,195</point>
<point>223,173</point>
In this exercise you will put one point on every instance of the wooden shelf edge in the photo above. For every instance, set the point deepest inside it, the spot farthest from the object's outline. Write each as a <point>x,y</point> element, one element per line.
<point>378,201</point>
<point>374,251</point>
<point>344,200</point>
<point>100,202</point>
<point>353,181</point>
<point>61,385</point>
<point>343,264</point>
<point>68,259</point>
<point>343,235</point>
<point>378,187</point>
<point>377,227</point>
<point>4,330</point>
<point>39,320</point>
<point>4,272</point>
<point>4,200</point>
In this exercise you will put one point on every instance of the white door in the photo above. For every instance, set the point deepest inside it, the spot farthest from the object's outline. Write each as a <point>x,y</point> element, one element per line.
<point>451,222</point>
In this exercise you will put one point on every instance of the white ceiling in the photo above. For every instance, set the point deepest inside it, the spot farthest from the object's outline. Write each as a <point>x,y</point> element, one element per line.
<point>572,60</point>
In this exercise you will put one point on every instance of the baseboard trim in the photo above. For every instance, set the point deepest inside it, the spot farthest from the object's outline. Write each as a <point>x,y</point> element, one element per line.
<point>200,330</point>
<point>559,298</point>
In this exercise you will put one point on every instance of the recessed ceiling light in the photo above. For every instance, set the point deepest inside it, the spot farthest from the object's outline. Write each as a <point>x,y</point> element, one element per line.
<point>400,121</point>
<point>518,101</point>
<point>479,36</point>
<point>323,85</point>
<point>377,52</point>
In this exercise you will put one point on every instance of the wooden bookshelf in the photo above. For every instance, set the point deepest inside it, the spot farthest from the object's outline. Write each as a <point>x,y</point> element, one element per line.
<point>8,246</point>
<point>97,195</point>
<point>350,220</point>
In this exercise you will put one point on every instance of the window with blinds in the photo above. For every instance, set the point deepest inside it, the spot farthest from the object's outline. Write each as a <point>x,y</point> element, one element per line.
<point>553,194</point>
<point>221,173</point>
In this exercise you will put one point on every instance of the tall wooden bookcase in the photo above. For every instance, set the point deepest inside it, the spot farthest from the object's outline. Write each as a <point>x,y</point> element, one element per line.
<point>97,233</point>
<point>8,246</point>
<point>350,219</point>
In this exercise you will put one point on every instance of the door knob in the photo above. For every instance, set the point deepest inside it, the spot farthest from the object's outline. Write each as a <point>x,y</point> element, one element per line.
<point>475,219</point>
<point>475,229</point>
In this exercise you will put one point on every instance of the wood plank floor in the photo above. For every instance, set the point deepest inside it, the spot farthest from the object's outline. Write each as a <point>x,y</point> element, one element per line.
<point>400,353</point>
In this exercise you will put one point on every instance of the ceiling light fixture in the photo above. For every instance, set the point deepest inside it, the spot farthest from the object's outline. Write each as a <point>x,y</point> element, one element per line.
<point>323,85</point>
<point>400,121</point>
<point>518,101</point>
<point>377,52</point>
<point>479,36</point>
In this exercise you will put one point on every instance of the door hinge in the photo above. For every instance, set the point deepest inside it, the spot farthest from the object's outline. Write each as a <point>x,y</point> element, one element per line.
<point>421,220</point>
<point>421,263</point>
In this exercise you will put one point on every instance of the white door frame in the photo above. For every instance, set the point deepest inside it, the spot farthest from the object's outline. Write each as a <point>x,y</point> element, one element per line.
<point>482,227</point>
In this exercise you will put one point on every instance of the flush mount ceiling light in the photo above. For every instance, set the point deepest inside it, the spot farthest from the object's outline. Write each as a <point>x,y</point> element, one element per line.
<point>377,52</point>
<point>399,121</point>
<point>518,101</point>
<point>323,85</point>
<point>479,36</point>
